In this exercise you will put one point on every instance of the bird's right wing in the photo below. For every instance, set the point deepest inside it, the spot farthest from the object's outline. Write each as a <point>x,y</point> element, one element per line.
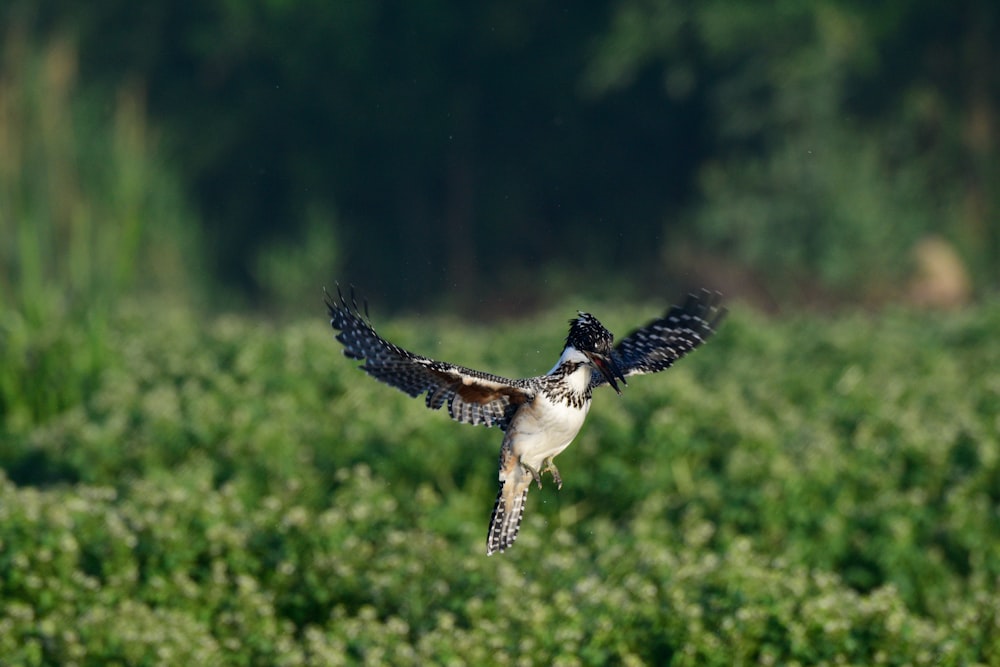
<point>473,397</point>
<point>656,346</point>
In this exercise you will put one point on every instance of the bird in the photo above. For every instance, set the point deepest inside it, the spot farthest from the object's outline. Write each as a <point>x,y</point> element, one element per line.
<point>540,416</point>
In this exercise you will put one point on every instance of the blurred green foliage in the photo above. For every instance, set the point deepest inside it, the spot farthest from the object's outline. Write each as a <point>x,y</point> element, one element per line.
<point>804,491</point>
<point>176,490</point>
<point>88,213</point>
<point>841,133</point>
<point>808,145</point>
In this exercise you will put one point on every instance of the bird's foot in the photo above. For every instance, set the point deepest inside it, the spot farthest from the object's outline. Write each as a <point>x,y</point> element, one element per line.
<point>549,466</point>
<point>535,475</point>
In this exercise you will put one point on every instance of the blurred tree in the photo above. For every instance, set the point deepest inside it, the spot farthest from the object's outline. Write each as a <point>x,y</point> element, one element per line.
<point>451,137</point>
<point>89,214</point>
<point>462,145</point>
<point>842,132</point>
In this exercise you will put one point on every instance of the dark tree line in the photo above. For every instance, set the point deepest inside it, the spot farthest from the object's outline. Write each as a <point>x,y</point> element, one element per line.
<point>460,146</point>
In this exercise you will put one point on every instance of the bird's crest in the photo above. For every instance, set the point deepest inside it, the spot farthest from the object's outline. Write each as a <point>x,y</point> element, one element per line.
<point>587,334</point>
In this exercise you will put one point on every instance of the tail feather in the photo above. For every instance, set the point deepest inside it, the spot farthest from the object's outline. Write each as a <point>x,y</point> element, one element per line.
<point>506,521</point>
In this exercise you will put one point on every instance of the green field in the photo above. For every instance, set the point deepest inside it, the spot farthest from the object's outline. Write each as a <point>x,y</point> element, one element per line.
<point>228,491</point>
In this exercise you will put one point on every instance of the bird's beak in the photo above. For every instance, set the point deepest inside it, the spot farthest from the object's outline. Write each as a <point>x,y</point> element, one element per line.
<point>609,369</point>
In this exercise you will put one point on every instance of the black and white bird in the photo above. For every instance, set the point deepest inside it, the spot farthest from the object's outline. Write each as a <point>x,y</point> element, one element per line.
<point>541,415</point>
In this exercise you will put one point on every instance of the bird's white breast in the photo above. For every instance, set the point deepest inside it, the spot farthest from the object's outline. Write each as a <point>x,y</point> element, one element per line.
<point>548,425</point>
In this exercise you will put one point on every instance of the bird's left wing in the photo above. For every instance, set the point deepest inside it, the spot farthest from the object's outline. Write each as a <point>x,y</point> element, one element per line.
<point>473,397</point>
<point>656,346</point>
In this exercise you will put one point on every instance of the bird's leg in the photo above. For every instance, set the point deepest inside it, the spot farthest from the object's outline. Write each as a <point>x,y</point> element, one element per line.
<point>534,474</point>
<point>549,466</point>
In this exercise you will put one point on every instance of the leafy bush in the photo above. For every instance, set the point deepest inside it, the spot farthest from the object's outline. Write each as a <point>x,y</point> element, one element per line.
<point>815,491</point>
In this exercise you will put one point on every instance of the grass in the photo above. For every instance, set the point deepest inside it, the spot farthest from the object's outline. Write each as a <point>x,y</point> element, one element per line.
<point>810,491</point>
<point>89,212</point>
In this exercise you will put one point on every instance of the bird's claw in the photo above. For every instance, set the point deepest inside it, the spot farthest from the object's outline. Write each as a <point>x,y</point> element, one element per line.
<point>534,474</point>
<point>549,466</point>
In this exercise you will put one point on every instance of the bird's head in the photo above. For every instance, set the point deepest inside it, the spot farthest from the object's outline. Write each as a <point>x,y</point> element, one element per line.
<point>588,336</point>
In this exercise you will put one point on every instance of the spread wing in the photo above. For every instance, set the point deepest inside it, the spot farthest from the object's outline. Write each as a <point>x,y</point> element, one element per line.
<point>656,346</point>
<point>473,397</point>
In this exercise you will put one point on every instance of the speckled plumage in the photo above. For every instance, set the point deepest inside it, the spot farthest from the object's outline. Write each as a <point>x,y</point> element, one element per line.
<point>539,415</point>
<point>472,397</point>
<point>657,345</point>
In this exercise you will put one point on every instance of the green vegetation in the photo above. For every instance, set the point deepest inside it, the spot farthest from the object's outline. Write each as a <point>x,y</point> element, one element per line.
<point>828,144</point>
<point>449,142</point>
<point>812,491</point>
<point>88,213</point>
<point>178,489</point>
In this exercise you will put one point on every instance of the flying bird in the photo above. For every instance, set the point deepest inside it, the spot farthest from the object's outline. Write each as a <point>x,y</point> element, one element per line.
<point>540,415</point>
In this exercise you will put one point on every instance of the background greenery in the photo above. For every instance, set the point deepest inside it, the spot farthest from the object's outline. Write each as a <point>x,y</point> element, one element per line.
<point>448,149</point>
<point>813,491</point>
<point>180,484</point>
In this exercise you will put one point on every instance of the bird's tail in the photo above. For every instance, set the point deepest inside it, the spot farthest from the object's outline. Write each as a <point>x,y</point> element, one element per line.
<point>506,520</point>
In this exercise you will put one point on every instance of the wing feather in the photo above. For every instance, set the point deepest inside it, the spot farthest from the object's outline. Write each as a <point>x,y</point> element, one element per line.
<point>656,346</point>
<point>473,397</point>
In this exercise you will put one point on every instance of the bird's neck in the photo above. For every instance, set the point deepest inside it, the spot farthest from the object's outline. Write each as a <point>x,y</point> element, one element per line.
<point>570,358</point>
<point>574,371</point>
